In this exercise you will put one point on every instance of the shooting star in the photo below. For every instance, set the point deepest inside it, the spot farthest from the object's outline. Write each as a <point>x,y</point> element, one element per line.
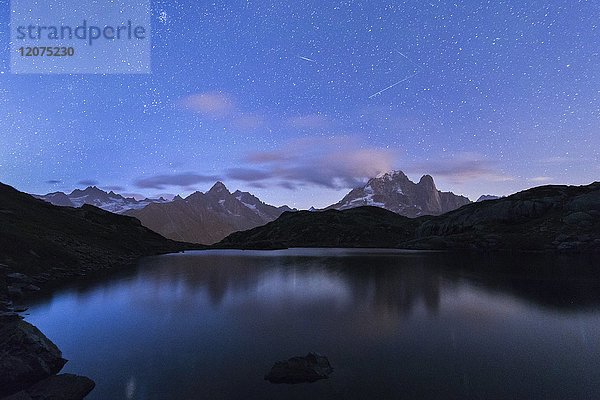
<point>409,60</point>
<point>391,86</point>
<point>306,59</point>
<point>402,80</point>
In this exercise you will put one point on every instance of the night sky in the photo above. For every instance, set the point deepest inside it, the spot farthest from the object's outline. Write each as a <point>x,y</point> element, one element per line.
<point>298,101</point>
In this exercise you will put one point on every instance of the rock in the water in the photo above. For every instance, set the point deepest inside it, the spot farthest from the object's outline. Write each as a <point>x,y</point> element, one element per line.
<point>27,355</point>
<point>300,369</point>
<point>57,387</point>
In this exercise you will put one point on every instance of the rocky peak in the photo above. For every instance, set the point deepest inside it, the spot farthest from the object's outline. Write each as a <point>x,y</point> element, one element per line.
<point>246,198</point>
<point>92,195</point>
<point>196,195</point>
<point>87,191</point>
<point>427,181</point>
<point>207,217</point>
<point>218,188</point>
<point>391,176</point>
<point>394,191</point>
<point>485,197</point>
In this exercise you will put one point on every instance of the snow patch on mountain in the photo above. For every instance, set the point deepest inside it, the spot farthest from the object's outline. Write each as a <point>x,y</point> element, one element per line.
<point>393,191</point>
<point>94,196</point>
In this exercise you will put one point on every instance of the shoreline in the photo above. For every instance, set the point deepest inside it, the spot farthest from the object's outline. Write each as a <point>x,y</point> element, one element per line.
<point>31,362</point>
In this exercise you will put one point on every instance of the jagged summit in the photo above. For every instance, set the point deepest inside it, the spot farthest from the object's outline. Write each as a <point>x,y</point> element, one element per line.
<point>95,196</point>
<point>390,174</point>
<point>485,197</point>
<point>207,217</point>
<point>218,187</point>
<point>394,191</point>
<point>428,181</point>
<point>546,218</point>
<point>90,190</point>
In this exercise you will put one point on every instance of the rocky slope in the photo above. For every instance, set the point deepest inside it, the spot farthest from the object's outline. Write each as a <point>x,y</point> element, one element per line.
<point>540,219</point>
<point>30,362</point>
<point>395,192</point>
<point>207,217</point>
<point>38,238</point>
<point>93,196</point>
<point>356,227</point>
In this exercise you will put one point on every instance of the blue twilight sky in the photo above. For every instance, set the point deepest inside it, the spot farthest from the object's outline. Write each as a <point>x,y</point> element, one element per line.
<point>298,101</point>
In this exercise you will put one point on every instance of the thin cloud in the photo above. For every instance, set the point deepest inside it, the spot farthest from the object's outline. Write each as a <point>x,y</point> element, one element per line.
<point>184,180</point>
<point>247,174</point>
<point>462,167</point>
<point>114,188</point>
<point>287,185</point>
<point>222,107</point>
<point>265,157</point>
<point>248,122</point>
<point>88,182</point>
<point>336,162</point>
<point>541,179</point>
<point>53,181</point>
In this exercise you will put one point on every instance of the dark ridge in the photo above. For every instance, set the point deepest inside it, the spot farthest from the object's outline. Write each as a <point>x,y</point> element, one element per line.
<point>546,218</point>
<point>52,242</point>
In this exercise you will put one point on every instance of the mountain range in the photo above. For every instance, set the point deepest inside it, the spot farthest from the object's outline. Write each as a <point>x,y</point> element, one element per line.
<point>207,217</point>
<point>395,192</point>
<point>38,237</point>
<point>565,218</point>
<point>94,196</point>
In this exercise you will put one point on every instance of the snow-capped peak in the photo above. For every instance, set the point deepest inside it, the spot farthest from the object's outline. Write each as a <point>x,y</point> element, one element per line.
<point>389,174</point>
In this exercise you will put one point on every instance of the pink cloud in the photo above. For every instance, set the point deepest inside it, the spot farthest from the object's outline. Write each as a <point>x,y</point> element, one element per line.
<point>212,104</point>
<point>335,162</point>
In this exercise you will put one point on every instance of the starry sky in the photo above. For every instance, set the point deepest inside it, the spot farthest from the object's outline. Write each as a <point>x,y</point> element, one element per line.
<point>299,101</point>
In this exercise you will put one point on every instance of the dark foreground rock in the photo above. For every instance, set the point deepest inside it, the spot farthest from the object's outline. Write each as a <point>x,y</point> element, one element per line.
<point>27,356</point>
<point>57,387</point>
<point>300,369</point>
<point>29,362</point>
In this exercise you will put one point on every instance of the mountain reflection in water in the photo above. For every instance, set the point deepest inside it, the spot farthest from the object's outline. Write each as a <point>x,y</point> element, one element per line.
<point>424,325</point>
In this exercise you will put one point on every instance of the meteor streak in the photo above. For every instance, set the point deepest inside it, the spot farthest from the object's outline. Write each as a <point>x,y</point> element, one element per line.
<point>306,58</point>
<point>391,86</point>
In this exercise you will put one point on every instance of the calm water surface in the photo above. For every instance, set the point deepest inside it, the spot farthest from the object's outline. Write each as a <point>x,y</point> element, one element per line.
<point>393,325</point>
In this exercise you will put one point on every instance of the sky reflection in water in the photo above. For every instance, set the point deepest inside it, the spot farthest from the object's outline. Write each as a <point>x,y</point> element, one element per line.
<point>394,325</point>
